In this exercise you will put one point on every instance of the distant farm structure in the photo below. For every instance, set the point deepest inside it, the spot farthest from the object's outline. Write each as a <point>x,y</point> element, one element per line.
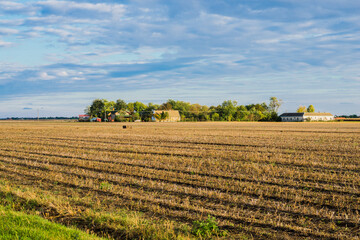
<point>84,118</point>
<point>346,119</point>
<point>168,116</point>
<point>306,116</point>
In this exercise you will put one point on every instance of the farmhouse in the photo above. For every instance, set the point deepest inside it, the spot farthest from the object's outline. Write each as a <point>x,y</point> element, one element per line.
<point>301,117</point>
<point>122,114</point>
<point>112,115</point>
<point>173,116</point>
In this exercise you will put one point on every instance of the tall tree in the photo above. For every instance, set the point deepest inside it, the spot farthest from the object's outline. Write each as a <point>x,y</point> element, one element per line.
<point>311,108</point>
<point>275,104</point>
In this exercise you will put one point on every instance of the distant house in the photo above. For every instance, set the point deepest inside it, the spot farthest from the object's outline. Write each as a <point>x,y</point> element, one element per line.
<point>301,117</point>
<point>112,115</point>
<point>173,115</point>
<point>84,118</point>
<point>122,114</point>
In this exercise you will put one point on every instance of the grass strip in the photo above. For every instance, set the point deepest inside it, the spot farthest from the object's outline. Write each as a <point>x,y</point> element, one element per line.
<point>18,225</point>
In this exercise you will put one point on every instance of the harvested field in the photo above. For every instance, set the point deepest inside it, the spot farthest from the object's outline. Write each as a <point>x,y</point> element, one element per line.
<point>259,180</point>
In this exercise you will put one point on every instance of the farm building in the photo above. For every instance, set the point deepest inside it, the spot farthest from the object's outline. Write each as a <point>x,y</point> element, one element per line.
<point>112,115</point>
<point>173,116</point>
<point>347,119</point>
<point>122,114</point>
<point>301,117</point>
<point>84,118</point>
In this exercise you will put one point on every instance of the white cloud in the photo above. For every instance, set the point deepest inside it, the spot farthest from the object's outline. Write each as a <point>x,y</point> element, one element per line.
<point>81,9</point>
<point>11,6</point>
<point>5,44</point>
<point>8,31</point>
<point>62,74</point>
<point>45,76</point>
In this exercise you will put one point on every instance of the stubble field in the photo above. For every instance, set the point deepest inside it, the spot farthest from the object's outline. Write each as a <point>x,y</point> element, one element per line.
<point>259,180</point>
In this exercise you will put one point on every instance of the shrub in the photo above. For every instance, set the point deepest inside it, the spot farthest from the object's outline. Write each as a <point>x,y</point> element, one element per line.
<point>207,228</point>
<point>105,186</point>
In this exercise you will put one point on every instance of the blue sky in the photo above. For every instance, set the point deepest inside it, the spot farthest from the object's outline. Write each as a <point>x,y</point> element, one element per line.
<point>57,56</point>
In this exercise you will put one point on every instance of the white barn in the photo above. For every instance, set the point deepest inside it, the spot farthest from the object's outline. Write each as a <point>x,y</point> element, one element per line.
<point>301,117</point>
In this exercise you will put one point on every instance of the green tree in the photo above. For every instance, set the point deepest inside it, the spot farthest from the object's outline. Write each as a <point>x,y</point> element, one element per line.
<point>183,108</point>
<point>97,107</point>
<point>255,115</point>
<point>228,110</point>
<point>139,106</point>
<point>260,107</point>
<point>242,113</point>
<point>301,109</point>
<point>171,103</point>
<point>166,106</point>
<point>135,116</point>
<point>110,106</point>
<point>215,117</point>
<point>130,107</point>
<point>195,108</point>
<point>120,105</point>
<point>311,108</point>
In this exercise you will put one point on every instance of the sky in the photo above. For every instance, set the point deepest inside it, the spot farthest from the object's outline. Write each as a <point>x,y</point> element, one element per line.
<point>57,56</point>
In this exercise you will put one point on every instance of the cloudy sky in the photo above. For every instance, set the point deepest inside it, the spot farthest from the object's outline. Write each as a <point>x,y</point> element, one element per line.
<point>57,56</point>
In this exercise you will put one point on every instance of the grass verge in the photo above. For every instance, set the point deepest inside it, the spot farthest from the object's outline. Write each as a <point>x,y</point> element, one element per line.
<point>18,225</point>
<point>121,224</point>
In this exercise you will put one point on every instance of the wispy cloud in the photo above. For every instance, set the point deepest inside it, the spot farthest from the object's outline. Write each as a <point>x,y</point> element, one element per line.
<point>5,44</point>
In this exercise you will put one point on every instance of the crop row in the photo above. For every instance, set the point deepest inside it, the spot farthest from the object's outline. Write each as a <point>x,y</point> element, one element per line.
<point>176,207</point>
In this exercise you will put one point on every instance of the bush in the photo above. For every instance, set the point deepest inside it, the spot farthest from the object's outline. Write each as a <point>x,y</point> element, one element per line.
<point>105,186</point>
<point>207,228</point>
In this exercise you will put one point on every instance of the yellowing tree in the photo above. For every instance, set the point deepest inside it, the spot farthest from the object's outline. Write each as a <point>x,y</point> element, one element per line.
<point>274,104</point>
<point>301,109</point>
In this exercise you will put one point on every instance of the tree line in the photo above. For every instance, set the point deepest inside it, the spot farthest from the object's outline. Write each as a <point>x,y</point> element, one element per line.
<point>227,111</point>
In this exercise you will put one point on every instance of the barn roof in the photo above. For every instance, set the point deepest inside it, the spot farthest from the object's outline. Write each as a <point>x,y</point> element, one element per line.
<point>292,115</point>
<point>307,114</point>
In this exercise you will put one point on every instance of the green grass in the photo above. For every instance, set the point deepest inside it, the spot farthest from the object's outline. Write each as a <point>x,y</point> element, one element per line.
<point>17,225</point>
<point>121,224</point>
